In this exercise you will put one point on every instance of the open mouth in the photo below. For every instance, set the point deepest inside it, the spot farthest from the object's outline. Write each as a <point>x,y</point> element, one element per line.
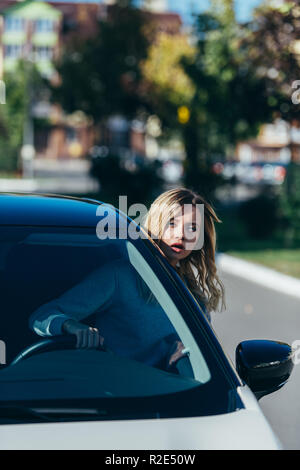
<point>177,247</point>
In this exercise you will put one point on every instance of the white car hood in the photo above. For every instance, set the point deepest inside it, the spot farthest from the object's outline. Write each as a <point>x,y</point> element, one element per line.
<point>243,429</point>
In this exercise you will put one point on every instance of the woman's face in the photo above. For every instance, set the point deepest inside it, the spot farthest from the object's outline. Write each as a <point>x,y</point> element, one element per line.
<point>181,233</point>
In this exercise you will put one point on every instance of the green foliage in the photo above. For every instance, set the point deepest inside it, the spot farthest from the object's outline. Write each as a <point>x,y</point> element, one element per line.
<point>204,181</point>
<point>224,10</point>
<point>138,180</point>
<point>229,102</point>
<point>20,86</point>
<point>260,215</point>
<point>226,100</point>
<point>11,119</point>
<point>289,204</point>
<point>215,79</point>
<point>272,39</point>
<point>169,87</point>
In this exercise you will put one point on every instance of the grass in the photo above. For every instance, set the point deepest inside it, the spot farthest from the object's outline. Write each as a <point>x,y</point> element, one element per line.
<point>9,174</point>
<point>232,238</point>
<point>286,261</point>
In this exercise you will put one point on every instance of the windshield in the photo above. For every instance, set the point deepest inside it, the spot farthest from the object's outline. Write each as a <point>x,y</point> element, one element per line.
<point>49,276</point>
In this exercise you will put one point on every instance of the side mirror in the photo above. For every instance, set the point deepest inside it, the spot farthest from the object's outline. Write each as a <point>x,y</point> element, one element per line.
<point>264,365</point>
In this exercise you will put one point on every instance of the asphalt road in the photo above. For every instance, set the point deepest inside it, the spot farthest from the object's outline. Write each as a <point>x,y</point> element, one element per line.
<point>255,312</point>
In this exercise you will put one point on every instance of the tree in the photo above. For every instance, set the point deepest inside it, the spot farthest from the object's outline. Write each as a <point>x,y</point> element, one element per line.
<point>273,41</point>
<point>12,115</point>
<point>208,92</point>
<point>214,85</point>
<point>229,102</point>
<point>101,76</point>
<point>140,182</point>
<point>168,85</point>
<point>23,88</point>
<point>289,206</point>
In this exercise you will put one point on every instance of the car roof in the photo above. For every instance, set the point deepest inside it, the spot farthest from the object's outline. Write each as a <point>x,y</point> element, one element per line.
<point>48,210</point>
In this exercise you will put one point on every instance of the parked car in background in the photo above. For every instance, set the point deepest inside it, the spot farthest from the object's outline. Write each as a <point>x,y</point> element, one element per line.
<point>255,173</point>
<point>54,396</point>
<point>268,172</point>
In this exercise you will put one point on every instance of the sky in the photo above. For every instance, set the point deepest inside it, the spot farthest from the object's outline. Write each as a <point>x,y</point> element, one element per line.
<point>186,7</point>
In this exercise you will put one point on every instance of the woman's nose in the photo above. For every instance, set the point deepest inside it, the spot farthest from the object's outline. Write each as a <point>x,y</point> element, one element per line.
<point>179,231</point>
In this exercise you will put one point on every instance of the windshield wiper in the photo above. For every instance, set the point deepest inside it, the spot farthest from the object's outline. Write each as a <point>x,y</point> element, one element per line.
<point>22,413</point>
<point>83,413</point>
<point>54,414</point>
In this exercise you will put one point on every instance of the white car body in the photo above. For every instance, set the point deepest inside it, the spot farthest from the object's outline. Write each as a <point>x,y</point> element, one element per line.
<point>245,429</point>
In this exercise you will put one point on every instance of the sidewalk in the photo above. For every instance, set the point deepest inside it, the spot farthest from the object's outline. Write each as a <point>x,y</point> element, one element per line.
<point>58,185</point>
<point>54,176</point>
<point>266,277</point>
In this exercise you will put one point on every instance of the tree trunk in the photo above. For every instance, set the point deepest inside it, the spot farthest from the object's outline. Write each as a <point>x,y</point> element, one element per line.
<point>191,144</point>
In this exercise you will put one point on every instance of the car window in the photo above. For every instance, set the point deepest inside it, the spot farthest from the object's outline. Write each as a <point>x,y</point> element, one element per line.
<point>199,366</point>
<point>105,283</point>
<point>47,273</point>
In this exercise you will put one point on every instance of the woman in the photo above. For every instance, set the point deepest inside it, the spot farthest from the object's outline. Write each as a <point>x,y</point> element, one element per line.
<point>172,218</point>
<point>130,325</point>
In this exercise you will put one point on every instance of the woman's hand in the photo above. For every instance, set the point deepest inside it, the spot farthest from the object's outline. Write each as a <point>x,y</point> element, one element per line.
<point>178,352</point>
<point>87,337</point>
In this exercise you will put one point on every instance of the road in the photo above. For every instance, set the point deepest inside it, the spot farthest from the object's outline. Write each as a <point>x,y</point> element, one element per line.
<point>255,312</point>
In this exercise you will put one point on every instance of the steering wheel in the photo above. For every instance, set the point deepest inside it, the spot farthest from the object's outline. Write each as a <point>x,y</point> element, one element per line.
<point>50,344</point>
<point>181,366</point>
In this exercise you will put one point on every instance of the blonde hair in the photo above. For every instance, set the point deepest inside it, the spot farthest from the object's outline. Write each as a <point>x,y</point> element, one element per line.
<point>198,269</point>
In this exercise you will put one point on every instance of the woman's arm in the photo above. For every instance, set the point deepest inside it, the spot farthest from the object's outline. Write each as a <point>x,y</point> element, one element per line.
<point>61,315</point>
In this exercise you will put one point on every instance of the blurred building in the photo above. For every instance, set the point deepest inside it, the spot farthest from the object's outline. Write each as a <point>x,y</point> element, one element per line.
<point>158,6</point>
<point>36,31</point>
<point>277,142</point>
<point>166,22</point>
<point>29,30</point>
